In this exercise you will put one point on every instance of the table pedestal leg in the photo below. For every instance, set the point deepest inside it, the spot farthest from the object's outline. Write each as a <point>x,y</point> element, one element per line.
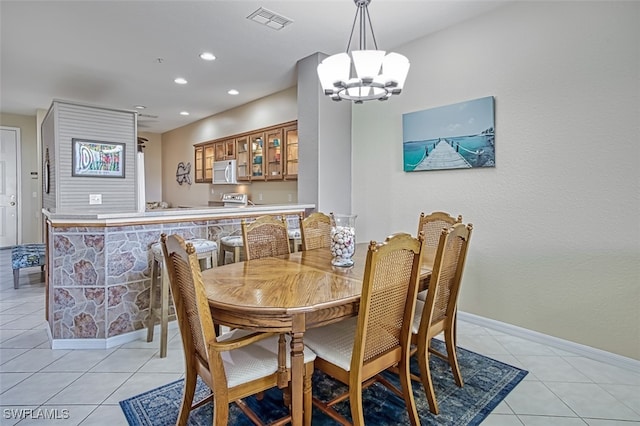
<point>297,370</point>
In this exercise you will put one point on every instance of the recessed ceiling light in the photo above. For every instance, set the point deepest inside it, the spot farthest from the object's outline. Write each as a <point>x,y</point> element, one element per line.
<point>180,80</point>
<point>233,92</point>
<point>184,113</point>
<point>207,56</point>
<point>139,107</point>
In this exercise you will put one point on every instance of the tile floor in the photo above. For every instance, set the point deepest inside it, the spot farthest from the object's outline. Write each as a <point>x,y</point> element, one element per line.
<point>83,387</point>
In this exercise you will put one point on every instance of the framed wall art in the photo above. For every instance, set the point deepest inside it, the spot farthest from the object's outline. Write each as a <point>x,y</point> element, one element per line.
<point>457,136</point>
<point>98,159</point>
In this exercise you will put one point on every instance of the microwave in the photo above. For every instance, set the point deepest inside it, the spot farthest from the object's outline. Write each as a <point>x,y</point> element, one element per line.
<point>224,172</point>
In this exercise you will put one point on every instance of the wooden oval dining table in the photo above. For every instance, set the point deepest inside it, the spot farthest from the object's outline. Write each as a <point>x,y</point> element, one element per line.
<point>289,294</point>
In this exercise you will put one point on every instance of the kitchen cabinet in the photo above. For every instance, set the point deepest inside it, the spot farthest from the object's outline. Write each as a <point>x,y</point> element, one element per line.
<point>291,152</point>
<point>266,154</point>
<point>225,150</point>
<point>273,156</point>
<point>243,158</point>
<point>257,151</point>
<point>209,158</point>
<point>198,164</point>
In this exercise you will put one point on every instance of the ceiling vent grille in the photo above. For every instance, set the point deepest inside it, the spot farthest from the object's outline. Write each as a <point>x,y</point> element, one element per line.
<point>270,19</point>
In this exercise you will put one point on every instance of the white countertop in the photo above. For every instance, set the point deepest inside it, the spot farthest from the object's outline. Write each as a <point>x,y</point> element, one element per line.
<point>177,213</point>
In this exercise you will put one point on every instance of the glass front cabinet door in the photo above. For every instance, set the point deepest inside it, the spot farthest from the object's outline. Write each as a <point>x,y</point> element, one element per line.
<point>209,158</point>
<point>257,150</point>
<point>199,164</point>
<point>291,152</point>
<point>243,156</point>
<point>273,166</point>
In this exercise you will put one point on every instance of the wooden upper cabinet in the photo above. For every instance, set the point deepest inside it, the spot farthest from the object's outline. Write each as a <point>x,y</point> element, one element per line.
<point>291,152</point>
<point>270,153</point>
<point>256,141</point>
<point>273,156</point>
<point>209,158</point>
<point>243,157</point>
<point>198,164</point>
<point>225,150</point>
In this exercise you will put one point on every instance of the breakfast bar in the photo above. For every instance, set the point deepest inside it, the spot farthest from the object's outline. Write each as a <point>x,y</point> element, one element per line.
<point>98,266</point>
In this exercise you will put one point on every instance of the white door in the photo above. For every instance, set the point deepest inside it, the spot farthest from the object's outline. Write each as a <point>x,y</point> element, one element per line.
<point>9,185</point>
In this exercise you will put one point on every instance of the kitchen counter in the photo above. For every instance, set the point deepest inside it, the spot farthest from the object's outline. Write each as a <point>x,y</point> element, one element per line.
<point>98,265</point>
<point>185,213</point>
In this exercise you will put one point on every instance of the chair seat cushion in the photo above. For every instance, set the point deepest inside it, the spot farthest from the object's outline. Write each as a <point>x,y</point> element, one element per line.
<point>333,342</point>
<point>256,360</point>
<point>294,233</point>
<point>201,245</point>
<point>232,241</point>
<point>417,316</point>
<point>27,255</point>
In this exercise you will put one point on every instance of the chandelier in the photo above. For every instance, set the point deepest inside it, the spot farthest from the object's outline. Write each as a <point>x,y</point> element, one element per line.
<point>378,75</point>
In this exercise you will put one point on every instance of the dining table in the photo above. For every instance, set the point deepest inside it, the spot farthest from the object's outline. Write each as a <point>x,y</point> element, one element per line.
<point>289,294</point>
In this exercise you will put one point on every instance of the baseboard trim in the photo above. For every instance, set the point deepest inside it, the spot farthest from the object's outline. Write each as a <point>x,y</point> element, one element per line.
<point>565,345</point>
<point>104,343</point>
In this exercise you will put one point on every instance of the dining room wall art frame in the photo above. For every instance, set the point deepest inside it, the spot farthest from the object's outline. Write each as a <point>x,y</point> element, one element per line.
<point>97,158</point>
<point>456,136</point>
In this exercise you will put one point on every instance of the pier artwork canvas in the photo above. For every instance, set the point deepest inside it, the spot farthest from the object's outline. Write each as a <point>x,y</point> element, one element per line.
<point>457,136</point>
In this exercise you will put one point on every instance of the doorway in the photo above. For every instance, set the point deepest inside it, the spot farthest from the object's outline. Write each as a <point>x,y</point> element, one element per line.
<point>9,186</point>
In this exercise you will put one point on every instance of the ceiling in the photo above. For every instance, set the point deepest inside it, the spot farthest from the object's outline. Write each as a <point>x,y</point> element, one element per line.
<point>124,53</point>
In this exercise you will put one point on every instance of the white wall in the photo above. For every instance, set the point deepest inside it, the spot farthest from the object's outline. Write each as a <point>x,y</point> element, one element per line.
<point>556,242</point>
<point>152,166</point>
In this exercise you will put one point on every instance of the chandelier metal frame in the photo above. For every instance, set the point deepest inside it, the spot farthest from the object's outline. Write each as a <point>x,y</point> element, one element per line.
<point>378,75</point>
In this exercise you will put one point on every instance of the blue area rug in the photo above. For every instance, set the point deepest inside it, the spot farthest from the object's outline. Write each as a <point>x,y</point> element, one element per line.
<point>486,383</point>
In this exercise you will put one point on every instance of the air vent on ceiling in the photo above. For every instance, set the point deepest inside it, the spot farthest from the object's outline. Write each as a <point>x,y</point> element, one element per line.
<point>270,19</point>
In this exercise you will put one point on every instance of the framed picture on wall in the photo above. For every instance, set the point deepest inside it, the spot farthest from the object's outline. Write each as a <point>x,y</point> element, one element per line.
<point>97,159</point>
<point>457,136</point>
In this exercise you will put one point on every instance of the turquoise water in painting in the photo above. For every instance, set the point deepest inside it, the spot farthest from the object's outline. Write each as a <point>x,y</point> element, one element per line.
<point>414,151</point>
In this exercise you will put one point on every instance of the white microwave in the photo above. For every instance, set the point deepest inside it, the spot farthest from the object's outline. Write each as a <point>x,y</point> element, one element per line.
<point>224,172</point>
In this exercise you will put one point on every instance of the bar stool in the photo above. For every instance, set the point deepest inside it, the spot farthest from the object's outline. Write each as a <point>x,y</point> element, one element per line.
<point>295,239</point>
<point>232,244</point>
<point>206,251</point>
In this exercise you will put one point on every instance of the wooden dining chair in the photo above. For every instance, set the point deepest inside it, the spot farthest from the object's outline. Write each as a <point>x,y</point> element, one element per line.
<point>265,237</point>
<point>315,230</point>
<point>431,224</point>
<point>234,365</point>
<point>355,350</point>
<point>438,313</point>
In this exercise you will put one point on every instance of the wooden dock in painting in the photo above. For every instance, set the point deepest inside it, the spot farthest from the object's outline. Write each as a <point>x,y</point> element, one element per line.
<point>443,156</point>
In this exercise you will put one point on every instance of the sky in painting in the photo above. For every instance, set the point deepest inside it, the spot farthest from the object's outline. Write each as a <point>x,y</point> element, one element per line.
<point>461,119</point>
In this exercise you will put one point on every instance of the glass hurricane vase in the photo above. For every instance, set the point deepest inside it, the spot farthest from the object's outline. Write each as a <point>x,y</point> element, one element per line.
<point>343,239</point>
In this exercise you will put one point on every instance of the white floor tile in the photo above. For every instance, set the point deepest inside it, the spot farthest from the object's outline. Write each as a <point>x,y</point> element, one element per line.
<point>608,422</point>
<point>601,372</point>
<point>551,420</point>
<point>105,415</point>
<point>124,360</point>
<point>140,383</point>
<point>628,395</point>
<point>27,339</point>
<point>38,388</point>
<point>590,400</point>
<point>519,346</point>
<point>12,415</point>
<point>78,360</point>
<point>9,380</point>
<point>535,398</point>
<point>9,354</point>
<point>552,368</point>
<point>91,388</point>
<point>32,360</point>
<point>495,419</point>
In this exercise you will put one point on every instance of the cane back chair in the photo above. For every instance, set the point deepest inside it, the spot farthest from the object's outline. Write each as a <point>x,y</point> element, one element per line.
<point>234,365</point>
<point>316,231</point>
<point>438,313</point>
<point>356,350</point>
<point>265,237</point>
